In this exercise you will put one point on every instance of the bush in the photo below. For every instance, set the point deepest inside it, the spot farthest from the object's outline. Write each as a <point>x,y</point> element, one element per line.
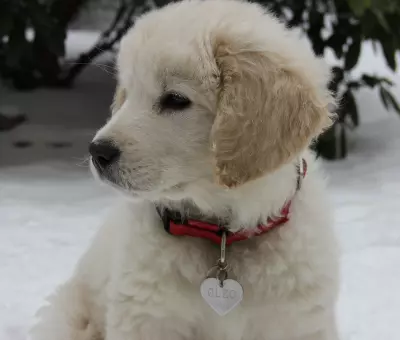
<point>32,40</point>
<point>342,26</point>
<point>339,25</point>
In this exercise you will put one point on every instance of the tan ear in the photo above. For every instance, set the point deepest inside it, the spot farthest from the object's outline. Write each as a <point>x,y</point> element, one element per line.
<point>119,99</point>
<point>266,115</point>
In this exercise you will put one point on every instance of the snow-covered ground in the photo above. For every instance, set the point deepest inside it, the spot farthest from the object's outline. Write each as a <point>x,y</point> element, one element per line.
<point>50,206</point>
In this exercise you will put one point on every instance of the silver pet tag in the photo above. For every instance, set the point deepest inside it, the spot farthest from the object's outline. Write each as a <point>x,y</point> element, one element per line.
<point>221,299</point>
<point>220,293</point>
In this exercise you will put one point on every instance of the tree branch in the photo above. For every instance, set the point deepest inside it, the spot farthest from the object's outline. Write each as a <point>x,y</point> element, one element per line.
<point>121,23</point>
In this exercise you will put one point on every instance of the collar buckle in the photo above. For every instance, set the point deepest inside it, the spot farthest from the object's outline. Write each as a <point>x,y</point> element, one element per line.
<point>167,216</point>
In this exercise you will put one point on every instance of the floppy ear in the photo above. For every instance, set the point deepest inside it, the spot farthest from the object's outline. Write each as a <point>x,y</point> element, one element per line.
<point>266,115</point>
<point>119,99</point>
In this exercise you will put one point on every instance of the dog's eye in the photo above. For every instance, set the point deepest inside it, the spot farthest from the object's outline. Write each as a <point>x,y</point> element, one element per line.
<point>174,101</point>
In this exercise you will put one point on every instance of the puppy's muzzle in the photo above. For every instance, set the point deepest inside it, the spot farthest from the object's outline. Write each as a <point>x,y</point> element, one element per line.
<point>104,154</point>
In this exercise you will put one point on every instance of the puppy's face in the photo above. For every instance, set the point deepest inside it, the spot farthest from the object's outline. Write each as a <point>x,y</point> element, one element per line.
<point>208,100</point>
<point>160,126</point>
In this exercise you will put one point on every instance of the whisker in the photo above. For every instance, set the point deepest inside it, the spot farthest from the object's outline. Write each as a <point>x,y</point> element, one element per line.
<point>101,49</point>
<point>104,67</point>
<point>83,162</point>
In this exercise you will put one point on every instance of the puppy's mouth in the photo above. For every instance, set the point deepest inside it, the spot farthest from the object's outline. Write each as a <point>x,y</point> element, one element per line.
<point>103,174</point>
<point>111,177</point>
<point>116,177</point>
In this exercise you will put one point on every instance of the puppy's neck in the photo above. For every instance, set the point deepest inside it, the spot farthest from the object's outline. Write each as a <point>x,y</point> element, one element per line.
<point>244,207</point>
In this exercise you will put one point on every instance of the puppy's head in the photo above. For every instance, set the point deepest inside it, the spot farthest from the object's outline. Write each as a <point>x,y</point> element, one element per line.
<point>213,90</point>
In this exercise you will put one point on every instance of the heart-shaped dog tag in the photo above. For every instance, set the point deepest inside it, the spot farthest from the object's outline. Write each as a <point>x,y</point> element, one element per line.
<point>221,299</point>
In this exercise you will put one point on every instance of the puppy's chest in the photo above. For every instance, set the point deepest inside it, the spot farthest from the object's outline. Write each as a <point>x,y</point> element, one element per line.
<point>183,261</point>
<point>198,260</point>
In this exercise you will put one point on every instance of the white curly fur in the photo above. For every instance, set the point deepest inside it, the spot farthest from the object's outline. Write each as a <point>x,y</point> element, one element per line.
<point>136,281</point>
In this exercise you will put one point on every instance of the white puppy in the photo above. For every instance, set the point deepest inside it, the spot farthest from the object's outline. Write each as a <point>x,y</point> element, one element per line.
<point>216,105</point>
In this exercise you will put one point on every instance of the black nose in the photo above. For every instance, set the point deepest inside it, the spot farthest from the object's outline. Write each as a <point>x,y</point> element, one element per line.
<point>104,153</point>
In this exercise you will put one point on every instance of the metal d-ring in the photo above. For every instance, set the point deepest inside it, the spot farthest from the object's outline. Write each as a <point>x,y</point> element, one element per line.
<point>222,275</point>
<point>222,258</point>
<point>222,271</point>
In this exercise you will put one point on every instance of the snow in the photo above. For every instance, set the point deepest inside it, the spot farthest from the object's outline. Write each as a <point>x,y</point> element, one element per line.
<point>366,190</point>
<point>50,206</point>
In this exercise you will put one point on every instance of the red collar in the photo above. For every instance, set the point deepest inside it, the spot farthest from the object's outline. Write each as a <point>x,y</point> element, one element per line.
<point>174,224</point>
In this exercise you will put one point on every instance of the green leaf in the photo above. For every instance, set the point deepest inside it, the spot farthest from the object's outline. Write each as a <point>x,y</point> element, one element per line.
<point>382,20</point>
<point>386,81</point>
<point>384,98</point>
<point>337,76</point>
<point>359,6</point>
<point>353,85</point>
<point>350,107</point>
<point>338,73</point>
<point>368,24</point>
<point>352,54</point>
<point>393,102</point>
<point>297,18</point>
<point>389,6</point>
<point>388,100</point>
<point>328,143</point>
<point>389,51</point>
<point>369,80</point>
<point>336,42</point>
<point>316,22</point>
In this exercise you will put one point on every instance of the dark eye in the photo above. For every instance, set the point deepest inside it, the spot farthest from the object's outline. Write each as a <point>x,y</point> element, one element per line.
<point>174,101</point>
